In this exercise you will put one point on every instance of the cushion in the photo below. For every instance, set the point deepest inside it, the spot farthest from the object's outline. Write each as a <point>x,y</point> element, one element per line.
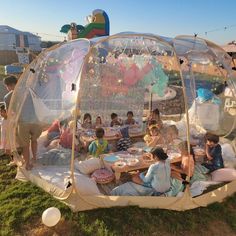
<point>224,174</point>
<point>55,157</point>
<point>86,185</point>
<point>103,176</point>
<point>88,166</point>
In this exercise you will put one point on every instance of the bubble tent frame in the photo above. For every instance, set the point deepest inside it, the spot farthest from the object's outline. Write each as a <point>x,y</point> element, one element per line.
<point>72,196</point>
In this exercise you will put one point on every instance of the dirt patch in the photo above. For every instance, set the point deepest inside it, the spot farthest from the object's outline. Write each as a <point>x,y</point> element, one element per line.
<point>63,228</point>
<point>215,228</point>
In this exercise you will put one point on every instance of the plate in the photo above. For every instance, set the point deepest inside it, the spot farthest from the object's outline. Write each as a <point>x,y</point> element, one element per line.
<point>120,164</point>
<point>132,162</point>
<point>111,158</point>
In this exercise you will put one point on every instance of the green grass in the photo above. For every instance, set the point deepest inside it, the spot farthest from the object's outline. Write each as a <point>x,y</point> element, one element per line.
<point>22,204</point>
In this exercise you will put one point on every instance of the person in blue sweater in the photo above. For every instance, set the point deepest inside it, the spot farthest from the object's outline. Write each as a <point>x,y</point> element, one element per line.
<point>213,153</point>
<point>155,181</point>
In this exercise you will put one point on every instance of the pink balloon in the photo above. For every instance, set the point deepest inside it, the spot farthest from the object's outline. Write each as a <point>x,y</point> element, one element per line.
<point>131,76</point>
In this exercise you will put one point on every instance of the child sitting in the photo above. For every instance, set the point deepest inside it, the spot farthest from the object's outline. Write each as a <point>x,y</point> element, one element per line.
<point>155,182</point>
<point>115,120</point>
<point>87,121</point>
<point>213,153</point>
<point>54,131</point>
<point>125,142</point>
<point>98,122</point>
<point>66,137</point>
<point>155,117</point>
<point>170,133</point>
<point>100,145</point>
<point>154,138</point>
<point>130,120</point>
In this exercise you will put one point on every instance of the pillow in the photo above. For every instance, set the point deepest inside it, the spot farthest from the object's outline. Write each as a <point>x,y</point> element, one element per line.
<point>55,157</point>
<point>88,166</point>
<point>103,176</point>
<point>86,185</point>
<point>224,174</point>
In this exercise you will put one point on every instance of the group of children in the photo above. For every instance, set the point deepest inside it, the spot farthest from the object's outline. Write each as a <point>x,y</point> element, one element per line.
<point>115,121</point>
<point>62,132</point>
<point>157,137</point>
<point>157,179</point>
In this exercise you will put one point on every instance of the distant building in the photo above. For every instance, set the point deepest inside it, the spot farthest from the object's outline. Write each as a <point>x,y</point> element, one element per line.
<point>230,48</point>
<point>13,41</point>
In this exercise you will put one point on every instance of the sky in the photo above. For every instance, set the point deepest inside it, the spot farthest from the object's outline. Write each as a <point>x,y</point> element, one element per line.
<point>162,17</point>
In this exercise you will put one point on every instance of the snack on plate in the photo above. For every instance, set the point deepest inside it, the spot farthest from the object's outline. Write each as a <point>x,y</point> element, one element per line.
<point>147,157</point>
<point>120,164</point>
<point>132,161</point>
<point>103,176</point>
<point>134,150</point>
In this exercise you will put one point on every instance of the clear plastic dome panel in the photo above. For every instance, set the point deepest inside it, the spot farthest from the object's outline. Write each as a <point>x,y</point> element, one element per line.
<point>49,89</point>
<point>129,73</point>
<point>207,76</point>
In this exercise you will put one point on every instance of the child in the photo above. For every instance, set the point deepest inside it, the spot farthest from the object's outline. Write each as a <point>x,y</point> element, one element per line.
<point>213,153</point>
<point>155,182</point>
<point>87,122</point>
<point>4,138</point>
<point>154,137</point>
<point>54,131</point>
<point>130,120</point>
<point>98,122</point>
<point>10,84</point>
<point>66,137</point>
<point>155,116</point>
<point>125,142</point>
<point>100,145</point>
<point>4,143</point>
<point>115,120</point>
<point>171,132</point>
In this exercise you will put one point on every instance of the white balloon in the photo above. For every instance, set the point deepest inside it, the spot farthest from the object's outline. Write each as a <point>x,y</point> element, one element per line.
<point>51,216</point>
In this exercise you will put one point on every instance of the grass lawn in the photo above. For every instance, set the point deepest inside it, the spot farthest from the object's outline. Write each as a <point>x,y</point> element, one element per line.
<point>22,204</point>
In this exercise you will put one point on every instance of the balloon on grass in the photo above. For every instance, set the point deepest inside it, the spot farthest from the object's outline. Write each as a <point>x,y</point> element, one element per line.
<point>51,216</point>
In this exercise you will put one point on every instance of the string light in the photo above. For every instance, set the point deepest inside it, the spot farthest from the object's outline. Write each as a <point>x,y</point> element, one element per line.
<point>220,29</point>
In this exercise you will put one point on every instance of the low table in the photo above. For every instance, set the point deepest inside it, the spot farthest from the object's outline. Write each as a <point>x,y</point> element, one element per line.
<point>126,168</point>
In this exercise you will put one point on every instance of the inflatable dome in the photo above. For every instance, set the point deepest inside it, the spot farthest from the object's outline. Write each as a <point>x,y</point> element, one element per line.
<point>80,92</point>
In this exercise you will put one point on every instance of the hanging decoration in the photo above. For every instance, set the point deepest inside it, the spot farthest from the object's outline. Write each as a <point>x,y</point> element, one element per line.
<point>157,78</point>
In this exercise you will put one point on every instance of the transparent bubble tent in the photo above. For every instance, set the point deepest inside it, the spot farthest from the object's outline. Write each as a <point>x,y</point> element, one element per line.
<point>187,78</point>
